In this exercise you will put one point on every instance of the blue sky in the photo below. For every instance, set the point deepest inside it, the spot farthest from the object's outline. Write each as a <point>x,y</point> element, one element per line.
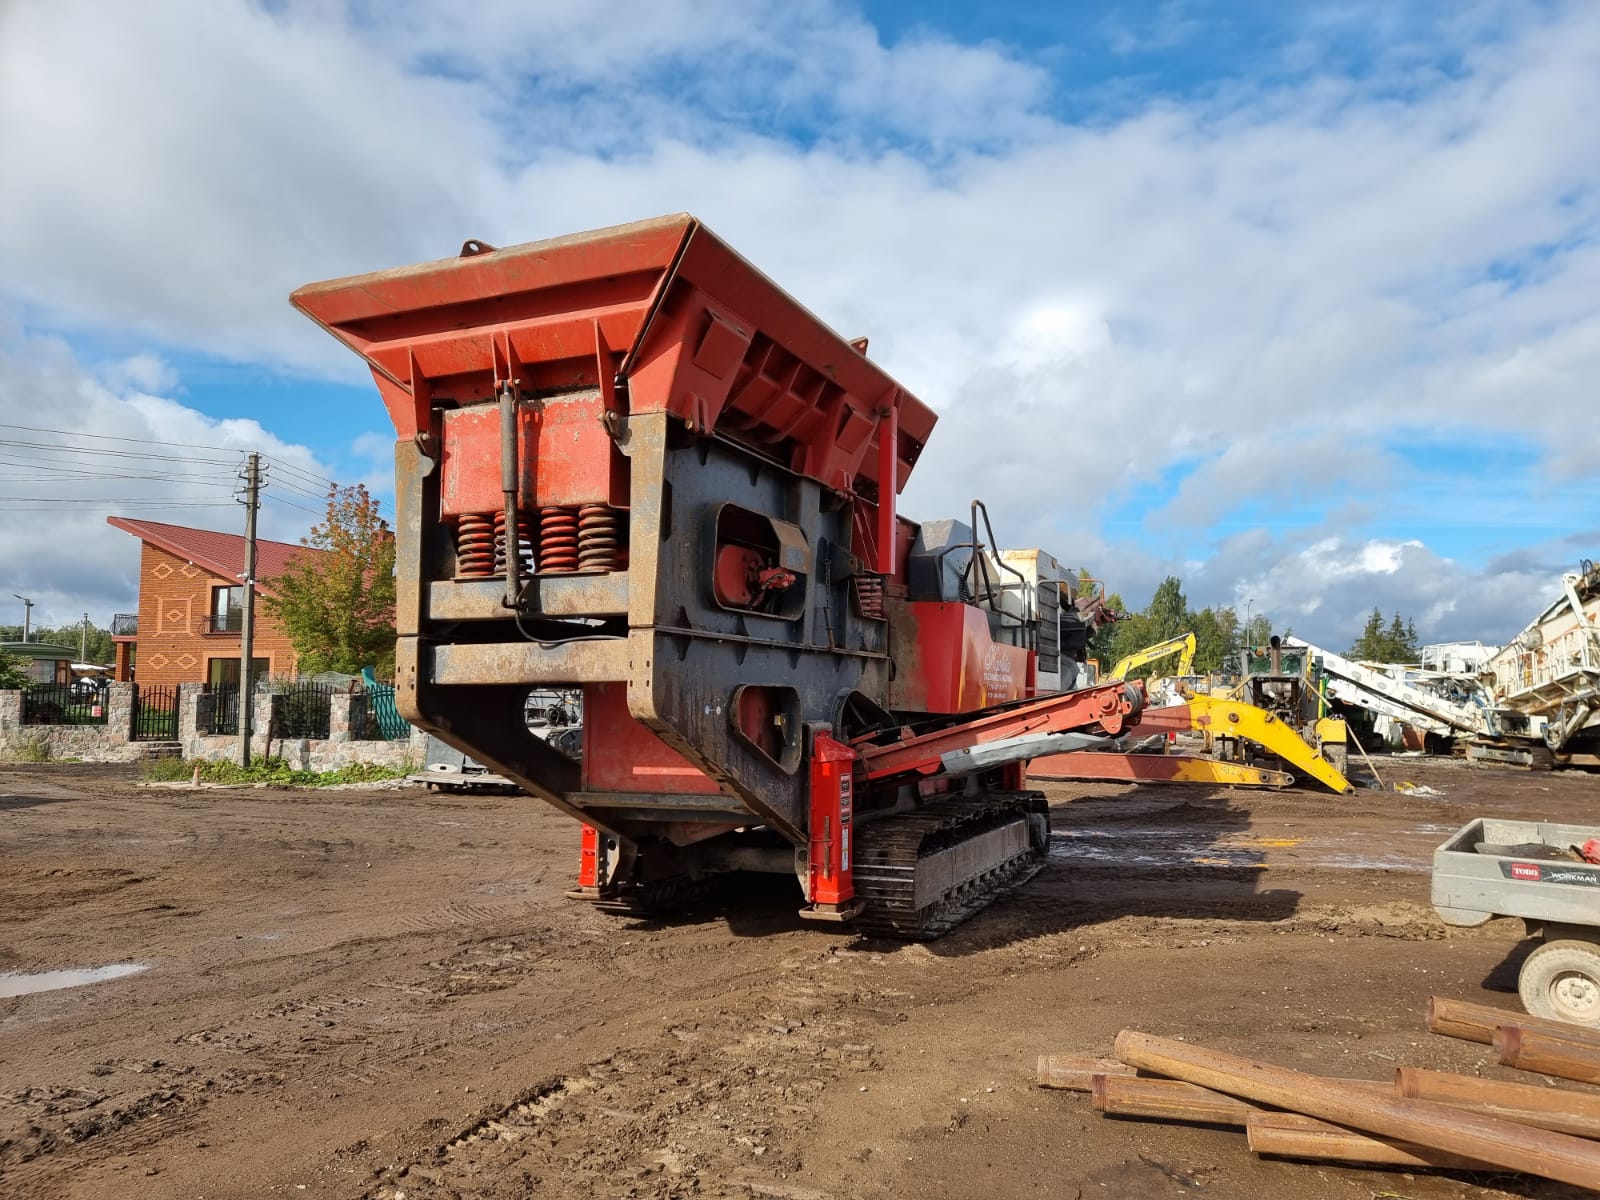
<point>1295,301</point>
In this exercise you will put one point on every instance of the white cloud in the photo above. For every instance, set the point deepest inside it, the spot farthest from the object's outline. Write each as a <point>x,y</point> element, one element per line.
<point>1324,586</point>
<point>74,449</point>
<point>146,372</point>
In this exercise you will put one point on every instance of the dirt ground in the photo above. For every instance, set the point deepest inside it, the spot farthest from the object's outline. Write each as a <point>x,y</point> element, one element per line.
<point>383,993</point>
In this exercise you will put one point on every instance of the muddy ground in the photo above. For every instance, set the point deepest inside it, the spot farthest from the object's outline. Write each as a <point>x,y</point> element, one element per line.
<point>383,994</point>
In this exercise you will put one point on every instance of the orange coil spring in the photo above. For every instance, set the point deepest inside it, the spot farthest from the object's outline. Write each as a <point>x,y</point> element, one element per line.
<point>869,594</point>
<point>601,543</point>
<point>475,546</point>
<point>558,540</point>
<point>524,543</point>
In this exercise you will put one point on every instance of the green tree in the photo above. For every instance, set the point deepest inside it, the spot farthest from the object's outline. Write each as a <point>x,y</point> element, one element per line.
<point>337,607</point>
<point>1169,610</point>
<point>1216,635</point>
<point>1394,643</point>
<point>1134,632</point>
<point>1259,631</point>
<point>1371,645</point>
<point>97,648</point>
<point>1103,640</point>
<point>13,671</point>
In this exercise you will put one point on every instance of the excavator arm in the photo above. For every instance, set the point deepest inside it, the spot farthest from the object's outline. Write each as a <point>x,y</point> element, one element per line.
<point>1183,645</point>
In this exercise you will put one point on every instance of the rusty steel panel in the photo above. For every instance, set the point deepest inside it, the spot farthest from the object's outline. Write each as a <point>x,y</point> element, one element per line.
<point>469,460</point>
<point>552,595</point>
<point>454,664</point>
<point>701,652</point>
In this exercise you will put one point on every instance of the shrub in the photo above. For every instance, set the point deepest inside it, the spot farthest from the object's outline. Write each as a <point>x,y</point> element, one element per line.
<point>266,770</point>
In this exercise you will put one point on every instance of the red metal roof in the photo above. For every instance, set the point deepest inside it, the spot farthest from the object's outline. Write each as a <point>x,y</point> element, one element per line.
<point>220,553</point>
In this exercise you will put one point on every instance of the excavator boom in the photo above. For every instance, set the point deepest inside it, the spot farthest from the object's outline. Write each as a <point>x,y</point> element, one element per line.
<point>1182,645</point>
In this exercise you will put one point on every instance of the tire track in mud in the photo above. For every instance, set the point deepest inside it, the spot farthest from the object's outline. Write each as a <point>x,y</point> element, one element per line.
<point>707,1104</point>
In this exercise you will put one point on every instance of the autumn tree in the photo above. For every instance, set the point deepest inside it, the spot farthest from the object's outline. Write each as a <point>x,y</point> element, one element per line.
<point>337,607</point>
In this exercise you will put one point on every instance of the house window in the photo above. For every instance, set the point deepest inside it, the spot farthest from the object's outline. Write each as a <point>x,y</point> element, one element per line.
<point>227,609</point>
<point>224,672</point>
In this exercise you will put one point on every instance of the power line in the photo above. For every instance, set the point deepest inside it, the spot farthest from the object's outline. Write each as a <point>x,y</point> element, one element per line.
<point>280,500</point>
<point>56,448</point>
<point>281,463</point>
<point>98,500</point>
<point>70,473</point>
<point>112,437</point>
<point>98,505</point>
<point>301,490</point>
<point>311,476</point>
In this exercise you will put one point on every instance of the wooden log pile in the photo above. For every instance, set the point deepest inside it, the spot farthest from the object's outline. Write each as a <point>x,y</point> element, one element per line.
<point>1418,1120</point>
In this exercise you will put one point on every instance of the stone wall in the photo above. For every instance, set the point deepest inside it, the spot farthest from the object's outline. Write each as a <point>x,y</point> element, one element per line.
<point>112,742</point>
<point>302,754</point>
<point>221,747</point>
<point>108,743</point>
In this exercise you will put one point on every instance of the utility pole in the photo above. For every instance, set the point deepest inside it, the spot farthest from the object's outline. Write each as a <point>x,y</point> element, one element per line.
<point>27,614</point>
<point>252,504</point>
<point>83,641</point>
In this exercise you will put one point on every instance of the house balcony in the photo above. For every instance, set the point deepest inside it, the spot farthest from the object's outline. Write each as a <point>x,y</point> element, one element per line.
<point>223,624</point>
<point>125,625</point>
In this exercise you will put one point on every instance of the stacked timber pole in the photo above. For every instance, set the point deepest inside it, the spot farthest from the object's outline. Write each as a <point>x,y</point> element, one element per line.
<point>1419,1119</point>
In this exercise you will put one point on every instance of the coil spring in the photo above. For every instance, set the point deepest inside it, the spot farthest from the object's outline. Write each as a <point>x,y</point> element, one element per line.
<point>524,543</point>
<point>475,549</point>
<point>558,540</point>
<point>869,595</point>
<point>601,545</point>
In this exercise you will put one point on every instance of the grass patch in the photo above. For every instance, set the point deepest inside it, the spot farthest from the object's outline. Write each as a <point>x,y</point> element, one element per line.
<point>35,749</point>
<point>266,770</point>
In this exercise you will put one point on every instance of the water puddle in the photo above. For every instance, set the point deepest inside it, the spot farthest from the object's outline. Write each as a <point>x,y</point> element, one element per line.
<point>14,984</point>
<point>1154,847</point>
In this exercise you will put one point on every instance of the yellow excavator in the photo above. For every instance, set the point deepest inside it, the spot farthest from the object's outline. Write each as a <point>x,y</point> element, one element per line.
<point>1247,744</point>
<point>1183,646</point>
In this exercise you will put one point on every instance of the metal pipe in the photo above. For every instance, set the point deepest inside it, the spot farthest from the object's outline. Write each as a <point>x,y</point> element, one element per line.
<point>888,481</point>
<point>508,486</point>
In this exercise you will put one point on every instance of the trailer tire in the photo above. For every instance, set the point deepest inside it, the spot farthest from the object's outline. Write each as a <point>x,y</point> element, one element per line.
<point>1561,981</point>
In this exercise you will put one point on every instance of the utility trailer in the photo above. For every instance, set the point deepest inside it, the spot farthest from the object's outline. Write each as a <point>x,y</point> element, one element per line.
<point>1493,868</point>
<point>628,463</point>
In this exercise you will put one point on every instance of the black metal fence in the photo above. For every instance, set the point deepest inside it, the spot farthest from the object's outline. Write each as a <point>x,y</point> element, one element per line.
<point>155,713</point>
<point>218,710</point>
<point>301,710</point>
<point>65,704</point>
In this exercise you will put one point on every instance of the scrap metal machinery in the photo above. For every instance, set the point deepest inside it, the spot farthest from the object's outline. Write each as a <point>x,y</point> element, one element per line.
<point>631,465</point>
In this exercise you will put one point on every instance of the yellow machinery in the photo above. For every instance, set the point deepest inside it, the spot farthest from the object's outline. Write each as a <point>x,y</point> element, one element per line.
<point>1261,742</point>
<point>1238,733</point>
<point>1182,645</point>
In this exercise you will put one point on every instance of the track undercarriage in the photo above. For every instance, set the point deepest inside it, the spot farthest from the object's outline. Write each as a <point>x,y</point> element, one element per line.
<point>917,875</point>
<point>923,873</point>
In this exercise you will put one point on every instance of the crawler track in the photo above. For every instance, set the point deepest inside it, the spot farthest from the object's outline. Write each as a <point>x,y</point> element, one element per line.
<point>889,853</point>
